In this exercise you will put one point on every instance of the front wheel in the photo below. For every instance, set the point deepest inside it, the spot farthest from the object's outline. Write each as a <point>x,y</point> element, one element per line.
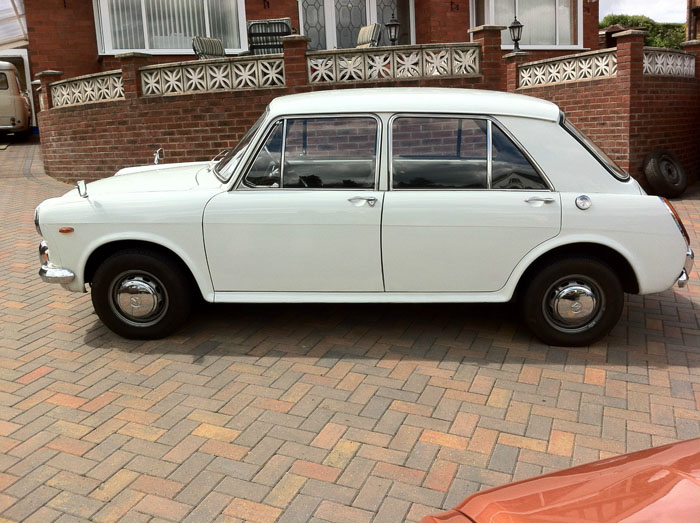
<point>573,302</point>
<point>141,294</point>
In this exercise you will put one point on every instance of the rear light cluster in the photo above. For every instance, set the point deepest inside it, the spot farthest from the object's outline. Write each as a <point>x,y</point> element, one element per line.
<point>677,219</point>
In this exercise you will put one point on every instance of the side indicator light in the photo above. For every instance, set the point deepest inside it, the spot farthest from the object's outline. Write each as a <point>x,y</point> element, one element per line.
<point>66,230</point>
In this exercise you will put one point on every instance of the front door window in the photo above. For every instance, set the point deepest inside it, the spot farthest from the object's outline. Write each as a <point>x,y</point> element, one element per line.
<point>337,23</point>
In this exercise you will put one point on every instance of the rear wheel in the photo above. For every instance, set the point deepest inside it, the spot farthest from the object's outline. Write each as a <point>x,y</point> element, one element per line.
<point>573,302</point>
<point>141,294</point>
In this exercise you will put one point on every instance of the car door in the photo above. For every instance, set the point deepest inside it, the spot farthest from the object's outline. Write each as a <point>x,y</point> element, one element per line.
<point>306,215</point>
<point>465,205</point>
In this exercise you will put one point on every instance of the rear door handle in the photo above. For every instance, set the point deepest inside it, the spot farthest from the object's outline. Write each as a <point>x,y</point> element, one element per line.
<point>535,199</point>
<point>357,200</point>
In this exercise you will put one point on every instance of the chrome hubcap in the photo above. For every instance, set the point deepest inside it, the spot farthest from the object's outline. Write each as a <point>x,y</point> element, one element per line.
<point>139,298</point>
<point>573,304</point>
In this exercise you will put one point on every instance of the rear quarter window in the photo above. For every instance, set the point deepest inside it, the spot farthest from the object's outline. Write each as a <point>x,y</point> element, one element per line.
<point>3,82</point>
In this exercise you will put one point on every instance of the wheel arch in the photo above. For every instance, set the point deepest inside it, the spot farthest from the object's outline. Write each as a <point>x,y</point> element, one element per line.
<point>612,257</point>
<point>101,253</point>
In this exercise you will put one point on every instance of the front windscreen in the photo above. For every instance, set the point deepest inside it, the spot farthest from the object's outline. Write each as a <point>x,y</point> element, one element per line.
<point>599,154</point>
<point>225,167</point>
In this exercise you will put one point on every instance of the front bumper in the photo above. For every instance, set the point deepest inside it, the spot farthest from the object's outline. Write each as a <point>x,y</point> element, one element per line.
<point>685,273</point>
<point>49,272</point>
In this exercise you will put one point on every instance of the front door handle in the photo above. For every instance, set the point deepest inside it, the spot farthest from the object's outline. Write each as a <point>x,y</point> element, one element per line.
<point>536,199</point>
<point>358,200</point>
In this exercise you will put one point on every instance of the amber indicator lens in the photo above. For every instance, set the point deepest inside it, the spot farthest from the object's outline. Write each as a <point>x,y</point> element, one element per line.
<point>66,230</point>
<point>679,222</point>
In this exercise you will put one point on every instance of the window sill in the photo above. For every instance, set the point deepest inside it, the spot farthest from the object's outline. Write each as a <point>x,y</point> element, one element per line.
<point>162,52</point>
<point>547,48</point>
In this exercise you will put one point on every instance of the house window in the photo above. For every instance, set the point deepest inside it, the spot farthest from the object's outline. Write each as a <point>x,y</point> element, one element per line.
<point>167,27</point>
<point>547,23</point>
<point>337,23</point>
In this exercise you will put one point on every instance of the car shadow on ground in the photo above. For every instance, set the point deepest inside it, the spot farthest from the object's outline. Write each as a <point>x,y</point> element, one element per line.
<point>480,333</point>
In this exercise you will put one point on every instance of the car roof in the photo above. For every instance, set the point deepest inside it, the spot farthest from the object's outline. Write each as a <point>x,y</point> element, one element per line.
<point>414,100</point>
<point>7,66</point>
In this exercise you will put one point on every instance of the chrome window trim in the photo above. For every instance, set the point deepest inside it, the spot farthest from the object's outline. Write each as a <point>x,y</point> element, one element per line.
<point>490,121</point>
<point>251,160</point>
<point>239,185</point>
<point>576,135</point>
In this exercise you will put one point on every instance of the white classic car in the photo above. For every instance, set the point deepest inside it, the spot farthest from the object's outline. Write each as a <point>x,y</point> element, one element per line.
<point>379,195</point>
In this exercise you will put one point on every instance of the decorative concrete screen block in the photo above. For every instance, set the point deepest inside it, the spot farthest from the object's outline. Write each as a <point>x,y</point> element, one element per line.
<point>572,68</point>
<point>213,75</point>
<point>377,63</point>
<point>666,62</point>
<point>87,89</point>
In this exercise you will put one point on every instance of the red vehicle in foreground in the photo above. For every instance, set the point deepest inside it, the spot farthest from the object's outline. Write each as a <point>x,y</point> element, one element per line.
<point>659,485</point>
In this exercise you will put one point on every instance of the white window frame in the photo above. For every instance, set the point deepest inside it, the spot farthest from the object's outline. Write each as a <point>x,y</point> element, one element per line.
<point>490,15</point>
<point>329,19</point>
<point>104,36</point>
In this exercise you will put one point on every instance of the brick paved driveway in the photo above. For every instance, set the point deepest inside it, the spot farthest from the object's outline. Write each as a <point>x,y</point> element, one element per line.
<point>338,413</point>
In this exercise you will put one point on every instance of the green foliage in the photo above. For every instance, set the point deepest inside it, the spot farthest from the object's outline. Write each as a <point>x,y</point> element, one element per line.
<point>660,35</point>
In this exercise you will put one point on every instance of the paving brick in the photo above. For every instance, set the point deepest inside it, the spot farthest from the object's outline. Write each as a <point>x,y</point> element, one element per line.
<point>341,514</point>
<point>391,411</point>
<point>251,511</point>
<point>162,507</point>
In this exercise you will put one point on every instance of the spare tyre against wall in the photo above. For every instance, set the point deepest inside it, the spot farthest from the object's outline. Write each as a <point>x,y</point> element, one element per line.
<point>665,174</point>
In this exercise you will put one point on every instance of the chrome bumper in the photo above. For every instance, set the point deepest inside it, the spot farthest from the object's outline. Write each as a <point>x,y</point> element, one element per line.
<point>48,271</point>
<point>685,273</point>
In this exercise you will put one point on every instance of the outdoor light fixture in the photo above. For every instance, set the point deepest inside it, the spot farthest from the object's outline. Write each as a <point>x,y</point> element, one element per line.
<point>392,27</point>
<point>516,32</point>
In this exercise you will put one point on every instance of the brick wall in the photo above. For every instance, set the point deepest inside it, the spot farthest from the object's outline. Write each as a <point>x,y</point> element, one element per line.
<point>95,140</point>
<point>590,24</point>
<point>632,114</point>
<point>62,36</point>
<point>597,108</point>
<point>262,10</point>
<point>628,115</point>
<point>440,21</point>
<point>665,114</point>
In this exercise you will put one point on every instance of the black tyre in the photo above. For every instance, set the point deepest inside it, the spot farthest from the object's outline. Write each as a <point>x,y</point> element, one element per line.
<point>665,174</point>
<point>140,294</point>
<point>573,302</point>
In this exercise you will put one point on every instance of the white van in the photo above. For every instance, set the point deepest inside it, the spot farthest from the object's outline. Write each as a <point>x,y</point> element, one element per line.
<point>14,102</point>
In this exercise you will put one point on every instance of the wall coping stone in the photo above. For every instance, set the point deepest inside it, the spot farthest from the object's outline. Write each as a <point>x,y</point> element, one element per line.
<point>630,32</point>
<point>294,38</point>
<point>570,56</point>
<point>88,76</point>
<point>228,59</point>
<point>667,50</point>
<point>132,54</point>
<point>516,54</point>
<point>690,43</point>
<point>47,73</point>
<point>487,28</point>
<point>355,50</point>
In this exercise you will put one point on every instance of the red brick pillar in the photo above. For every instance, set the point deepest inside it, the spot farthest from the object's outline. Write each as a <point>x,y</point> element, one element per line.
<point>630,55</point>
<point>130,63</point>
<point>295,60</point>
<point>492,65</point>
<point>513,60</point>
<point>630,75</point>
<point>693,46</point>
<point>47,77</point>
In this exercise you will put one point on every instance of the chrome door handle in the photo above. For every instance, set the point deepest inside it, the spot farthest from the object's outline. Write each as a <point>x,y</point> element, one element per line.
<point>371,200</point>
<point>535,199</point>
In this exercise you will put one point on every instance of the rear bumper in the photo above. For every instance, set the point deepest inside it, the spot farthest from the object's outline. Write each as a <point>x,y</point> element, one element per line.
<point>685,273</point>
<point>49,272</point>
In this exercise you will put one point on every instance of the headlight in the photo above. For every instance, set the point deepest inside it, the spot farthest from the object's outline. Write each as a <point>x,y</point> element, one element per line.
<point>36,221</point>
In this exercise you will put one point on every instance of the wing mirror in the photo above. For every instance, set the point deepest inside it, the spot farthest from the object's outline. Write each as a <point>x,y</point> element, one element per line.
<point>82,188</point>
<point>158,155</point>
